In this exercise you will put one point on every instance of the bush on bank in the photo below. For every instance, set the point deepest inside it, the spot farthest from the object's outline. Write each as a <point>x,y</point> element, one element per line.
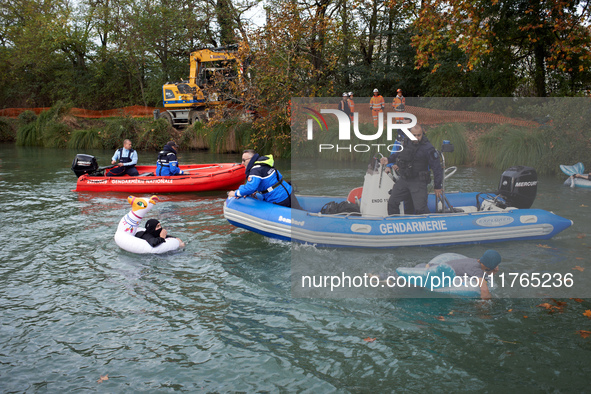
<point>541,148</point>
<point>7,130</point>
<point>565,140</point>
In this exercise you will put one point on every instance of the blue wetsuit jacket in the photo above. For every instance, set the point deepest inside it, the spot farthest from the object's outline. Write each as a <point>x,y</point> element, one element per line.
<point>262,177</point>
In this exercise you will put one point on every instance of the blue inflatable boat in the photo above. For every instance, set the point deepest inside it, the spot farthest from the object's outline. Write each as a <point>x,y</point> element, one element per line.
<point>469,218</point>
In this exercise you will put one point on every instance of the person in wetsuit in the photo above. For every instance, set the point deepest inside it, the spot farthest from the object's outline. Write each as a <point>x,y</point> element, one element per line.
<point>155,234</point>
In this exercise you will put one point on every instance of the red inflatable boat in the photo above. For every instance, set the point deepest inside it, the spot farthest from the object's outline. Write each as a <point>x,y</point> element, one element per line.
<point>198,178</point>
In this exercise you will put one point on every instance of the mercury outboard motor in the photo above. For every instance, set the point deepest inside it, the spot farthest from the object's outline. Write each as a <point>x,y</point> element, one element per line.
<point>518,186</point>
<point>84,164</point>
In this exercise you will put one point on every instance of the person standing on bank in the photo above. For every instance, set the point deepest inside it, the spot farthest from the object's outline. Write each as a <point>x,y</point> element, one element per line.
<point>414,164</point>
<point>344,105</point>
<point>351,105</point>
<point>376,104</point>
<point>125,160</point>
<point>264,178</point>
<point>167,163</point>
<point>399,104</point>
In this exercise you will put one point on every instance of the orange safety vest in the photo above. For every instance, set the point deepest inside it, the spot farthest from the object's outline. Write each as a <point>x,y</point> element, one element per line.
<point>376,103</point>
<point>398,103</point>
<point>351,105</point>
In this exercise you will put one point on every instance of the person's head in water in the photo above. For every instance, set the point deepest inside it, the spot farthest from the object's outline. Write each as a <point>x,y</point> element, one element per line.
<point>490,260</point>
<point>153,227</point>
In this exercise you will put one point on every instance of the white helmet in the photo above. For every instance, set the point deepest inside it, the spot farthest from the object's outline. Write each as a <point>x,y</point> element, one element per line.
<point>344,94</point>
<point>375,90</point>
<point>350,93</point>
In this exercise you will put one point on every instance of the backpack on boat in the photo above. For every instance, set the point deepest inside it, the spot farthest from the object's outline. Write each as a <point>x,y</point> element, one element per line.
<point>331,208</point>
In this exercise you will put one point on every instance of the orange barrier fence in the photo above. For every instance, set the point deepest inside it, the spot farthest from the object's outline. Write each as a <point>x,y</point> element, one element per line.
<point>435,116</point>
<point>424,115</point>
<point>427,116</point>
<point>135,111</point>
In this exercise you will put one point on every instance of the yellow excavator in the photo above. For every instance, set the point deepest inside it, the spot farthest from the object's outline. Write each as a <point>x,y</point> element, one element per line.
<point>187,102</point>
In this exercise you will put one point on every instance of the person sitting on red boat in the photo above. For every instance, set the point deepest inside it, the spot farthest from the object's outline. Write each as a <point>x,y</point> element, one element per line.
<point>167,163</point>
<point>264,178</point>
<point>125,160</point>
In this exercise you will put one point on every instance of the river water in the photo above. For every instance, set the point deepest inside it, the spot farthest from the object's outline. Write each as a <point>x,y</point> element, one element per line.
<point>78,314</point>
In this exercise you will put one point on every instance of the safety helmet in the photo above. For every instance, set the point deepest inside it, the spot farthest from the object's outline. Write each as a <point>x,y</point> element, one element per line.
<point>344,94</point>
<point>399,90</point>
<point>350,93</point>
<point>375,90</point>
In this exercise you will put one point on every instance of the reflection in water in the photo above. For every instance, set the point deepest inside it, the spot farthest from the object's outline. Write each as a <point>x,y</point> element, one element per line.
<point>219,316</point>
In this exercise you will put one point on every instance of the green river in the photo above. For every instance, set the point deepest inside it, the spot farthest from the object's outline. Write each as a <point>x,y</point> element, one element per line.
<point>78,314</point>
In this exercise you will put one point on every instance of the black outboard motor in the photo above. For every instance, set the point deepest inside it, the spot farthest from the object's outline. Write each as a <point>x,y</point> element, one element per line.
<point>84,164</point>
<point>518,186</point>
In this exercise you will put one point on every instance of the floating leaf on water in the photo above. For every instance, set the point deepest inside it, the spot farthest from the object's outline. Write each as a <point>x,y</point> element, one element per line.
<point>544,246</point>
<point>103,378</point>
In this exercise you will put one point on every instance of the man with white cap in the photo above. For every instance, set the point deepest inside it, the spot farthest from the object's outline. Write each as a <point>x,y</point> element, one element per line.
<point>399,104</point>
<point>344,105</point>
<point>376,104</point>
<point>351,105</point>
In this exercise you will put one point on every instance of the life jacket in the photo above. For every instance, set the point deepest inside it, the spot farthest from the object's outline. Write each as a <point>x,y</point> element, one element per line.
<point>351,105</point>
<point>376,102</point>
<point>408,167</point>
<point>261,162</point>
<point>165,157</point>
<point>399,103</point>
<point>125,159</point>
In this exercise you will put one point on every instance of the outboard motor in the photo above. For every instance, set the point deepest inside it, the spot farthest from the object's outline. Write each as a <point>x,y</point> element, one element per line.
<point>84,164</point>
<point>518,186</point>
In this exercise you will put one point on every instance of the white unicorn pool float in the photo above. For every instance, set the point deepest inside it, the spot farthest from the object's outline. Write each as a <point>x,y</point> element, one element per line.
<point>129,225</point>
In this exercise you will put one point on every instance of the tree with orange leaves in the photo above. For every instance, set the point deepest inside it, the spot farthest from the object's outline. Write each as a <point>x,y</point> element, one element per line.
<point>541,36</point>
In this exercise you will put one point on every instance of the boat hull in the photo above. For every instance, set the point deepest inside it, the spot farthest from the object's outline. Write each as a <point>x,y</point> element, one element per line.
<point>342,230</point>
<point>200,178</point>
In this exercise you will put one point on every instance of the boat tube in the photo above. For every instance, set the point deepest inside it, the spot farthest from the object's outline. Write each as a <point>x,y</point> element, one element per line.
<point>469,218</point>
<point>571,181</point>
<point>197,178</point>
<point>129,225</point>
